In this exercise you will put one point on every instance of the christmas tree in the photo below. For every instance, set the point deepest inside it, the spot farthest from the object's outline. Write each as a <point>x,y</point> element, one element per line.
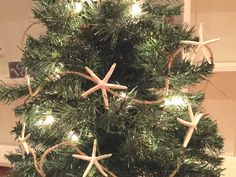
<point>109,78</point>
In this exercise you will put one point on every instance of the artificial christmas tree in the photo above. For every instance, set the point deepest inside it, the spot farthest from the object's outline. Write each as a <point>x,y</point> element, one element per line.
<point>142,129</point>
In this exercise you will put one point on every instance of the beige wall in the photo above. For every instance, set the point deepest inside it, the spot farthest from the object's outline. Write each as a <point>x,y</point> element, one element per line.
<point>7,121</point>
<point>15,17</point>
<point>219,19</point>
<point>220,103</point>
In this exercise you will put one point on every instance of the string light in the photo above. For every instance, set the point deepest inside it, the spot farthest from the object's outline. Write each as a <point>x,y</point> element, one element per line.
<point>57,73</point>
<point>136,10</point>
<point>49,120</point>
<point>73,136</point>
<point>78,7</point>
<point>176,101</point>
<point>123,95</point>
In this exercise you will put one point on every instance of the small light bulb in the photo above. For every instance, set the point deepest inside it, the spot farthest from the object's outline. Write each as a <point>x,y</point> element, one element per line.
<point>57,72</point>
<point>175,101</point>
<point>73,136</point>
<point>48,121</point>
<point>39,123</point>
<point>78,7</point>
<point>123,95</point>
<point>136,9</point>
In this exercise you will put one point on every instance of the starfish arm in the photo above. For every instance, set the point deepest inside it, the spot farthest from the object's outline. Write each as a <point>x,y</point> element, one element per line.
<point>194,54</point>
<point>20,139</point>
<point>103,156</point>
<point>105,97</point>
<point>93,89</point>
<point>94,148</point>
<point>190,112</point>
<point>27,137</point>
<point>188,136</point>
<point>23,130</point>
<point>190,42</point>
<point>198,116</point>
<point>115,86</point>
<point>201,32</point>
<point>107,77</point>
<point>211,41</point>
<point>26,147</point>
<point>207,53</point>
<point>88,169</point>
<point>23,152</point>
<point>94,76</point>
<point>100,168</point>
<point>185,123</point>
<point>82,157</point>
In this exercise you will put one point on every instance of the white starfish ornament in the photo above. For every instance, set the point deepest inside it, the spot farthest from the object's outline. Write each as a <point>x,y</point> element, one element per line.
<point>201,45</point>
<point>93,160</point>
<point>102,84</point>
<point>23,139</point>
<point>192,125</point>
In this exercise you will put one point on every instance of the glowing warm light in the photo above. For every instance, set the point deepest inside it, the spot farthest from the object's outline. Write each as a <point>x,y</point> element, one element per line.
<point>73,136</point>
<point>78,7</point>
<point>175,101</point>
<point>123,95</point>
<point>136,9</point>
<point>48,121</point>
<point>56,75</point>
